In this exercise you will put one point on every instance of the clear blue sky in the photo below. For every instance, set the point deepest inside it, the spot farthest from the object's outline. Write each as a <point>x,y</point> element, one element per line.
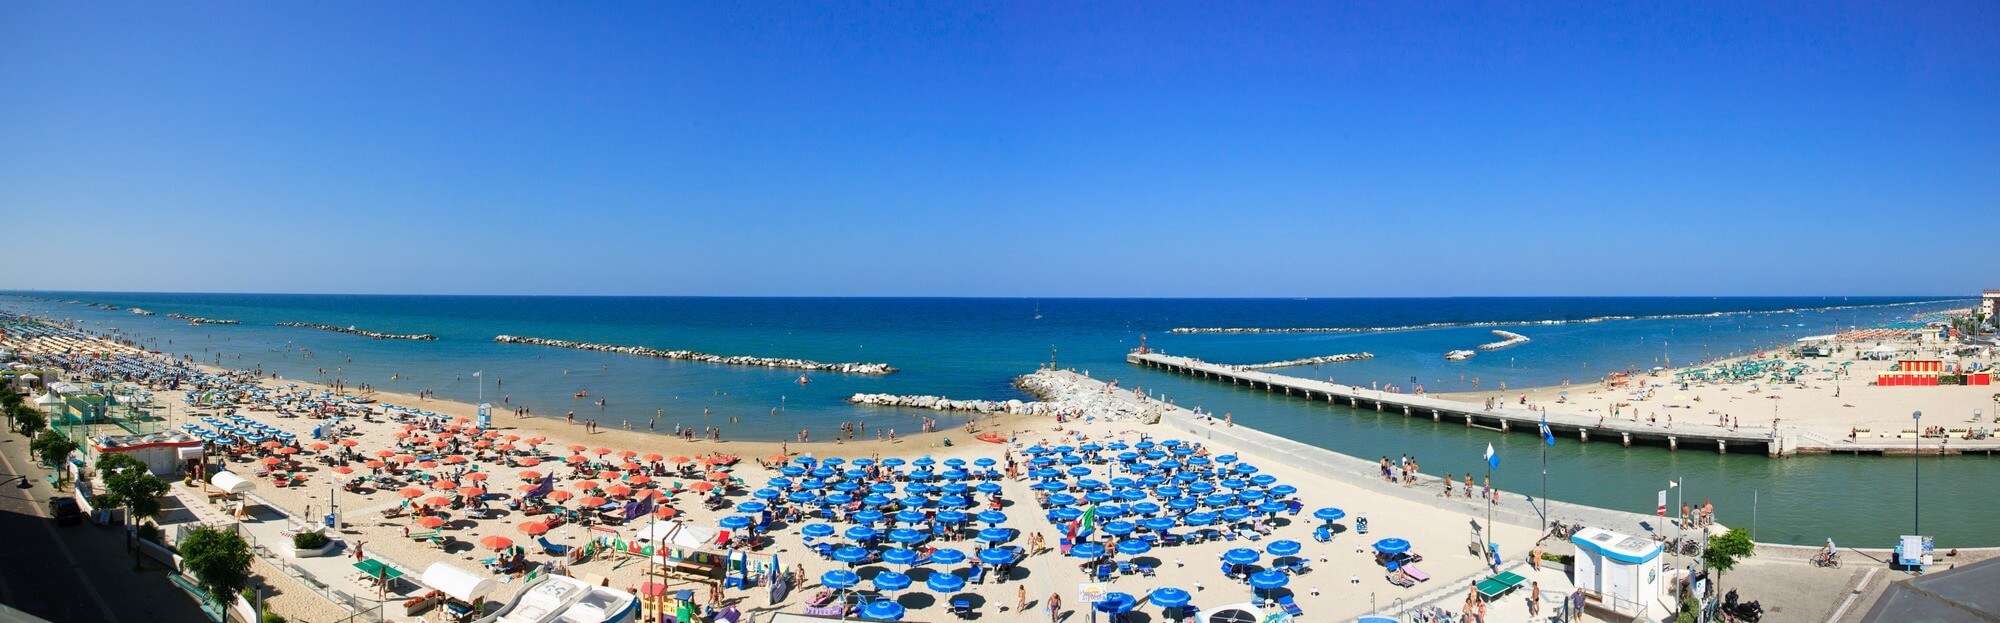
<point>1059,149</point>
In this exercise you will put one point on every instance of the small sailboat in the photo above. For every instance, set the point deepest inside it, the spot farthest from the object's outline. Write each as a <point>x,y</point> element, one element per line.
<point>804,381</point>
<point>1458,355</point>
<point>1038,311</point>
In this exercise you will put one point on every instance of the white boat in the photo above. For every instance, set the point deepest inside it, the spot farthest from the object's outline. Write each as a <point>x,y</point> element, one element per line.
<point>563,599</point>
<point>1459,355</point>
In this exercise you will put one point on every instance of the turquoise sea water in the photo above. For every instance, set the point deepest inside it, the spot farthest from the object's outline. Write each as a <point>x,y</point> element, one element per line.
<point>973,348</point>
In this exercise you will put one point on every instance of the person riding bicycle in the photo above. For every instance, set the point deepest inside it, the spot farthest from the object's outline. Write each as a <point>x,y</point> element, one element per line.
<point>1826,554</point>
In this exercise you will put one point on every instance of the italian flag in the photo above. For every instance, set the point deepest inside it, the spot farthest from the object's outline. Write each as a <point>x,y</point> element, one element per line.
<point>1089,520</point>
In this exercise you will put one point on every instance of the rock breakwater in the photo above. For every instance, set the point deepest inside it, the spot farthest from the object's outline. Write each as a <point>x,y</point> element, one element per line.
<point>1561,321</point>
<point>197,320</point>
<point>688,355</point>
<point>1511,339</point>
<point>361,332</point>
<point>940,403</point>
<point>1309,361</point>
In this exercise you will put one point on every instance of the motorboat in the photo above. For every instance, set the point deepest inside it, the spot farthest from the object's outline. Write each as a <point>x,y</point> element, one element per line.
<point>563,599</point>
<point>1459,355</point>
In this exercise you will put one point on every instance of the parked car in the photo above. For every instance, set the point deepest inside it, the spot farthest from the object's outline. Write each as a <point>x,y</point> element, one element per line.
<point>65,511</point>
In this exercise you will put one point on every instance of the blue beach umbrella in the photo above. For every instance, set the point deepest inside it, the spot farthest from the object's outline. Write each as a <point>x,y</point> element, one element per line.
<point>945,583</point>
<point>1271,507</point>
<point>997,555</point>
<point>823,473</point>
<point>951,517</point>
<point>869,516</point>
<point>1097,497</point>
<point>1167,493</point>
<point>1123,482</point>
<point>900,556</point>
<point>882,610</point>
<point>817,530</point>
<point>987,487</point>
<point>862,462</point>
<point>850,554</point>
<point>1134,547</point>
<point>801,497</point>
<point>839,579</point>
<point>1087,549</point>
<point>956,488</point>
<point>1145,508</point>
<point>892,462</point>
<point>1131,495</point>
<point>922,475</point>
<point>1089,484</point>
<point>919,488</point>
<point>1283,490</point>
<point>1050,485</point>
<point>846,487</point>
<point>833,461</point>
<point>891,581</point>
<point>914,501</point>
<point>1329,514</point>
<point>1241,556</point>
<point>910,516</point>
<point>734,522</point>
<point>1263,480</point>
<point>1066,514</point>
<point>861,533</point>
<point>954,462</point>
<point>751,507</point>
<point>1250,496</point>
<point>1392,546</point>
<point>1116,603</point>
<point>1218,500</point>
<point>984,462</point>
<point>1047,472</point>
<point>875,499</point>
<point>1078,472</point>
<point>1170,597</point>
<point>1235,513</point>
<point>1283,548</point>
<point>766,494</point>
<point>992,517</point>
<point>1234,483</point>
<point>839,499</point>
<point>854,473</point>
<point>924,462</point>
<point>1061,499</point>
<point>1110,512</point>
<point>1269,579</point>
<point>1119,528</point>
<point>882,488</point>
<point>954,501</point>
<point>1201,488</point>
<point>1199,519</point>
<point>947,556</point>
<point>1226,459</point>
<point>996,535</point>
<point>906,535</point>
<point>1157,524</point>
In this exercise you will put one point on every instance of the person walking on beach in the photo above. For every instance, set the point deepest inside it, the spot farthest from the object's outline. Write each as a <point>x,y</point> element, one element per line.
<point>1021,598</point>
<point>1534,598</point>
<point>1055,607</point>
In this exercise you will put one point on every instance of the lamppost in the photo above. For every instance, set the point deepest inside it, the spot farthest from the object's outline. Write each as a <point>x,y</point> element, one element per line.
<point>1917,484</point>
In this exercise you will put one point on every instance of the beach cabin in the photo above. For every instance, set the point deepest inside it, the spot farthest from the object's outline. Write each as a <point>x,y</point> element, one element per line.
<point>463,592</point>
<point>1619,572</point>
<point>165,454</point>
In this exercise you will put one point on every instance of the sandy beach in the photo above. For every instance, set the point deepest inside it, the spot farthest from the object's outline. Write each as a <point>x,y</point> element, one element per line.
<point>1344,580</point>
<point>1835,398</point>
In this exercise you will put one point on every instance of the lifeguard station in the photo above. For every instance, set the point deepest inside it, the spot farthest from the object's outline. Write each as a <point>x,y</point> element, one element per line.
<point>1618,572</point>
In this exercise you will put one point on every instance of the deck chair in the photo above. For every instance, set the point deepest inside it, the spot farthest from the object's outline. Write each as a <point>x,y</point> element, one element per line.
<point>551,548</point>
<point>1291,607</point>
<point>1104,571</point>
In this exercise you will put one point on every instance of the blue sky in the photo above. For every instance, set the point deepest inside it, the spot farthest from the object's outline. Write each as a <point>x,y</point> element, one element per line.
<point>1032,149</point>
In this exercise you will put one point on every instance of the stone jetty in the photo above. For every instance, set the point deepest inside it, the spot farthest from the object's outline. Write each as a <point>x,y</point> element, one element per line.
<point>197,320</point>
<point>140,311</point>
<point>363,333</point>
<point>1309,361</point>
<point>1554,321</point>
<point>688,355</point>
<point>1510,338</point>
<point>940,403</point>
<point>1056,392</point>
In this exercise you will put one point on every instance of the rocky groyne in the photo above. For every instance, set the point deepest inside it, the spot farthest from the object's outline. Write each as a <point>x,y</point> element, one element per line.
<point>197,320</point>
<point>1510,338</point>
<point>940,403</point>
<point>361,332</point>
<point>140,311</point>
<point>688,355</point>
<point>1309,361</point>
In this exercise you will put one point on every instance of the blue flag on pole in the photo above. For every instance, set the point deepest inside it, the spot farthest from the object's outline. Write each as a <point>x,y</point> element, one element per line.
<point>1492,458</point>
<point>1547,436</point>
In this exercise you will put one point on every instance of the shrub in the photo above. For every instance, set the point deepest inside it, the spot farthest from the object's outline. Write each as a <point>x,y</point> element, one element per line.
<point>310,540</point>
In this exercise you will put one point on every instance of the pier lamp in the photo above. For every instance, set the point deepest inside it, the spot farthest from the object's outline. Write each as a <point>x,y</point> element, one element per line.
<point>1917,483</point>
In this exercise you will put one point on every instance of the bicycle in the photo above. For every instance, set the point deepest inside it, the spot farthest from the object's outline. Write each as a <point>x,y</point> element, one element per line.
<point>1831,561</point>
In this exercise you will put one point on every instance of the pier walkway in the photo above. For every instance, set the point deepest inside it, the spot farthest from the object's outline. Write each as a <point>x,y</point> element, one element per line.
<point>1503,419</point>
<point>1783,441</point>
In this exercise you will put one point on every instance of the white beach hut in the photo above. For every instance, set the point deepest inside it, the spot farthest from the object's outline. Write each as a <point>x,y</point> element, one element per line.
<point>231,483</point>
<point>464,586</point>
<point>1619,571</point>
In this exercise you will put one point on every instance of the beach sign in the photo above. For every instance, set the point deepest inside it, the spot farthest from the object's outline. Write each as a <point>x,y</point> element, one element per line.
<point>1091,592</point>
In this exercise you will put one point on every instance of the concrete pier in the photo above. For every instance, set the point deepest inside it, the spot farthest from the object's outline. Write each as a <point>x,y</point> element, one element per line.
<point>1502,419</point>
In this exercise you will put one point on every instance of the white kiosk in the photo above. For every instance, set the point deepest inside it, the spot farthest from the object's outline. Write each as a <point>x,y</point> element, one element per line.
<point>1620,572</point>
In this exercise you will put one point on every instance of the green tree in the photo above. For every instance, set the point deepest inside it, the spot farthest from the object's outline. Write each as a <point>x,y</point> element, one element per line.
<point>27,420</point>
<point>51,448</point>
<point>131,481</point>
<point>219,561</point>
<point>1726,549</point>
